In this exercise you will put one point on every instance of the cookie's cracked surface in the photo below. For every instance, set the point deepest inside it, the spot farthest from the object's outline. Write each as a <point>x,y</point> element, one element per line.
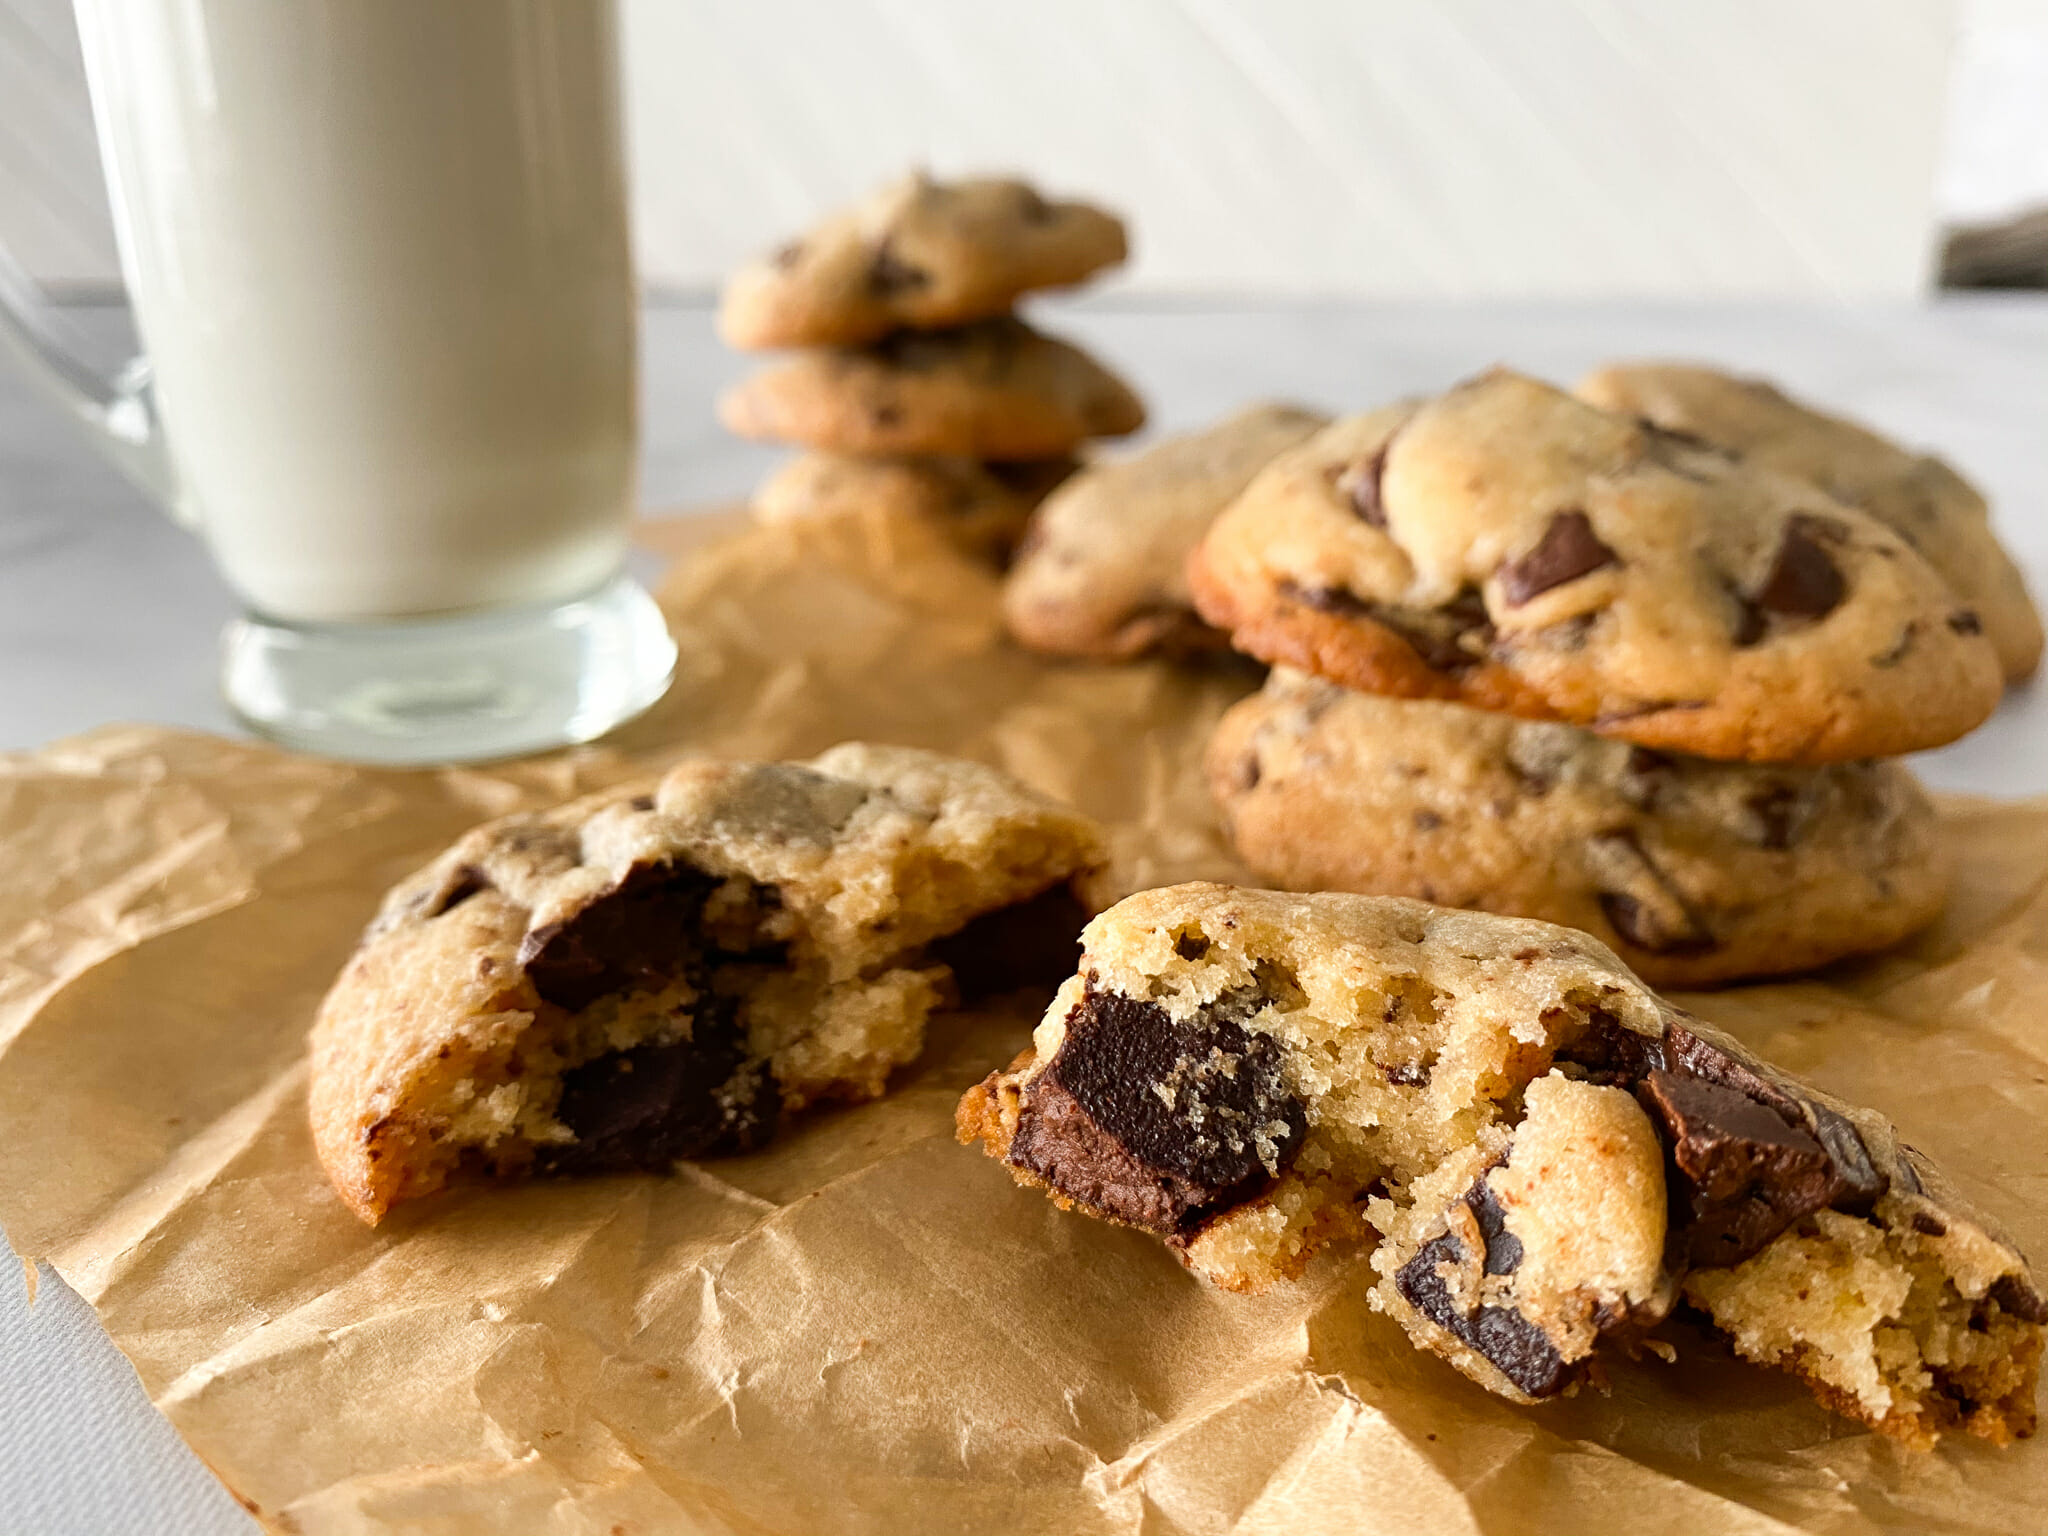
<point>1514,548</point>
<point>1917,496</point>
<point>1696,872</point>
<point>1546,1154</point>
<point>649,975</point>
<point>919,253</point>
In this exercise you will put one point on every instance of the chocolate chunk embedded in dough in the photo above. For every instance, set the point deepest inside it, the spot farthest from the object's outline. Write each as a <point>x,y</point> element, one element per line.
<point>1155,1121</point>
<point>1522,1351</point>
<point>1364,490</point>
<point>1802,582</point>
<point>1640,900</point>
<point>636,936</point>
<point>1030,944</point>
<point>1568,550</point>
<point>1744,1174</point>
<point>652,1106</point>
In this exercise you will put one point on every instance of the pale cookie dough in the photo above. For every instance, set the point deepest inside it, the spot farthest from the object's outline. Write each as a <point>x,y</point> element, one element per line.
<point>1547,1154</point>
<point>1917,496</point>
<point>918,254</point>
<point>1696,872</point>
<point>1516,549</point>
<point>1103,571</point>
<point>656,974</point>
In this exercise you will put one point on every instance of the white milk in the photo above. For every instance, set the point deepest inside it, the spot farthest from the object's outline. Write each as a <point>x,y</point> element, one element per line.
<point>378,254</point>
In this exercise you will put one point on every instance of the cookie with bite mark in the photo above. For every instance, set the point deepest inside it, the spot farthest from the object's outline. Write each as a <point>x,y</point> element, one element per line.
<point>1543,1155</point>
<point>655,974</point>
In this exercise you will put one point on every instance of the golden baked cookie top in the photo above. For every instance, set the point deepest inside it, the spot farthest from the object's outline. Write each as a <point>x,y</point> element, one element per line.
<point>1516,548</point>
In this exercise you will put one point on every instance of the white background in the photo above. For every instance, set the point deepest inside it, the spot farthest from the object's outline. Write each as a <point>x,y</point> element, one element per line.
<point>1383,148</point>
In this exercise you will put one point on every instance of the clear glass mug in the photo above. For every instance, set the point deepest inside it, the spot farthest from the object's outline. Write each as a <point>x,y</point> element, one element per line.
<point>377,252</point>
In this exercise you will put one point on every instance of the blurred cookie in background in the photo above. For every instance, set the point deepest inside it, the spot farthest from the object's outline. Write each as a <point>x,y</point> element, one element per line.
<point>1102,573</point>
<point>919,254</point>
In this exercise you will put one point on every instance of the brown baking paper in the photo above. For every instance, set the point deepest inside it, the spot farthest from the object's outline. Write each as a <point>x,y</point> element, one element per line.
<point>865,1328</point>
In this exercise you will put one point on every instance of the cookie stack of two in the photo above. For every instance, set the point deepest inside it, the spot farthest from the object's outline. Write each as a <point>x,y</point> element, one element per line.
<point>916,387</point>
<point>1634,660</point>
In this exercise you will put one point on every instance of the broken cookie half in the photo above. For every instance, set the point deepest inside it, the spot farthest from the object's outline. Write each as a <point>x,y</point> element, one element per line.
<point>1547,1155</point>
<point>655,974</point>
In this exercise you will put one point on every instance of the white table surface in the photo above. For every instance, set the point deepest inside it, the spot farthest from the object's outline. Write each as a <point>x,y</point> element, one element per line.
<point>109,613</point>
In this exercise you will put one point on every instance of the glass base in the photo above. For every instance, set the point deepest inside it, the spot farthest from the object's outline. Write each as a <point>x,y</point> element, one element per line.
<point>458,690</point>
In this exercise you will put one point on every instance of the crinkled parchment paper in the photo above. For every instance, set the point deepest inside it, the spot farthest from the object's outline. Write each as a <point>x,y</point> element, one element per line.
<point>866,1327</point>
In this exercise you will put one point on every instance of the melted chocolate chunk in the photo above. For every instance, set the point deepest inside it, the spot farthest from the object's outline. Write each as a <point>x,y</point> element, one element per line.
<point>1750,624</point>
<point>1776,812</point>
<point>1858,1185</point>
<point>1029,943</point>
<point>1803,582</point>
<point>1521,1350</point>
<point>652,1106</point>
<point>468,881</point>
<point>1645,907</point>
<point>1328,600</point>
<point>1365,490</point>
<point>1154,1122</point>
<point>1965,622</point>
<point>1745,1157</point>
<point>889,273</point>
<point>1744,1174</point>
<point>2020,1299</point>
<point>639,935</point>
<point>1568,550</point>
<point>1448,639</point>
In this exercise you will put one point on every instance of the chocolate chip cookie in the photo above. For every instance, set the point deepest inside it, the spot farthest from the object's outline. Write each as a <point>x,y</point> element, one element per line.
<point>1917,496</point>
<point>918,254</point>
<point>1104,570</point>
<point>1696,872</point>
<point>983,508</point>
<point>651,975</point>
<point>992,390</point>
<point>1514,548</point>
<point>1547,1154</point>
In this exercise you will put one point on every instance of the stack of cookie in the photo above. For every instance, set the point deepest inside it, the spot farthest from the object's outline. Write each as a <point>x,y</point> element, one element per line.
<point>916,387</point>
<point>1542,658</point>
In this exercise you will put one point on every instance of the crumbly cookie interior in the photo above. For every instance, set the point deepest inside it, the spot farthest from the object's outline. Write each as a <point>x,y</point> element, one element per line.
<point>1544,1157</point>
<point>679,1016</point>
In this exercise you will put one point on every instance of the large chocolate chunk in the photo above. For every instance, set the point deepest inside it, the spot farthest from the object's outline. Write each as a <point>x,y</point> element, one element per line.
<point>639,935</point>
<point>654,1105</point>
<point>1028,944</point>
<point>1154,1121</point>
<point>1522,1351</point>
<point>1803,582</point>
<point>1744,1174</point>
<point>1568,550</point>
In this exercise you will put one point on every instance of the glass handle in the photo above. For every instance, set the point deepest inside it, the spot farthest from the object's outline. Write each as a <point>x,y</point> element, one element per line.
<point>118,411</point>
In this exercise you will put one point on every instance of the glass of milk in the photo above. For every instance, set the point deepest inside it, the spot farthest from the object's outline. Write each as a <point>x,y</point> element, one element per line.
<point>377,254</point>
